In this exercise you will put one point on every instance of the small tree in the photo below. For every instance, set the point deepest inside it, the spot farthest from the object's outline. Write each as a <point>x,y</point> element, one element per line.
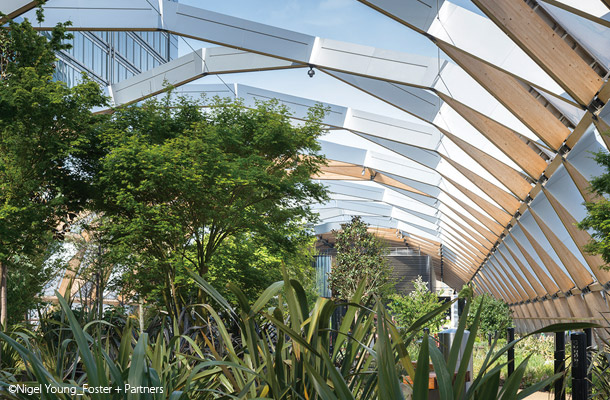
<point>176,183</point>
<point>360,256</point>
<point>408,309</point>
<point>598,212</point>
<point>496,315</point>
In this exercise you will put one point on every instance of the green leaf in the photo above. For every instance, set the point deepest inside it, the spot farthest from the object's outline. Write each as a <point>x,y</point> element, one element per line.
<point>138,368</point>
<point>91,366</point>
<point>489,388</point>
<point>538,386</point>
<point>422,372</point>
<point>444,379</point>
<point>512,384</point>
<point>211,291</point>
<point>389,385</point>
<point>267,295</point>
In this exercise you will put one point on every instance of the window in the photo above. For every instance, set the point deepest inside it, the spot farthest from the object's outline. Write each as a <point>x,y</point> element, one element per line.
<point>136,55</point>
<point>98,54</point>
<point>88,48</point>
<point>129,52</point>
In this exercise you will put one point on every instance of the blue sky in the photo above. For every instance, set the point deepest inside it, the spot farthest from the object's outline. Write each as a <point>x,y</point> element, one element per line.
<point>345,20</point>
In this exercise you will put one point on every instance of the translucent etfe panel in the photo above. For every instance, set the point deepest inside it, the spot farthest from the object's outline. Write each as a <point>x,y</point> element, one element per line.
<point>563,188</point>
<point>509,243</point>
<point>595,37</point>
<point>582,155</point>
<point>532,227</point>
<point>545,211</point>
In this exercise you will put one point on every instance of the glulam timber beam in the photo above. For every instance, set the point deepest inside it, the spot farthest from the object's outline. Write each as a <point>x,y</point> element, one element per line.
<point>522,24</point>
<point>563,280</point>
<point>580,237</point>
<point>506,200</point>
<point>549,284</point>
<point>483,219</point>
<point>502,137</point>
<point>520,277</point>
<point>513,94</point>
<point>579,274</point>
<point>510,178</point>
<point>499,215</point>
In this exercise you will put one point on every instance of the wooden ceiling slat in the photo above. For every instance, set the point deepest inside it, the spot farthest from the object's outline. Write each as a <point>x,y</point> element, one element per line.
<point>501,216</point>
<point>513,95</point>
<point>502,172</point>
<point>521,23</point>
<point>502,137</point>
<point>577,271</point>
<point>504,199</point>
<point>580,236</point>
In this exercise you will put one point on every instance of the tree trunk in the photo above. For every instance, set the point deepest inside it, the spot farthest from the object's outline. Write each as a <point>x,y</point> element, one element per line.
<point>3,296</point>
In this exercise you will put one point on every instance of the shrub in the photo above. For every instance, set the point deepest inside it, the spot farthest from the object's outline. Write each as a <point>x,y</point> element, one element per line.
<point>408,309</point>
<point>282,352</point>
<point>495,316</point>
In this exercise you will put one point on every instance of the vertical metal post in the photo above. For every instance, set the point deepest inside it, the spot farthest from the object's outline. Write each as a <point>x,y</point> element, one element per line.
<point>489,339</point>
<point>510,336</point>
<point>589,335</point>
<point>579,365</point>
<point>560,366</point>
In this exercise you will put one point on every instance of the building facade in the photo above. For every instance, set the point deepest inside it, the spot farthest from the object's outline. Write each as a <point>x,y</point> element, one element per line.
<point>110,57</point>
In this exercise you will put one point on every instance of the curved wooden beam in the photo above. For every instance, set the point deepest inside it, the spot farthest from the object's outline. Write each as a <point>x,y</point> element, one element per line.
<point>510,178</point>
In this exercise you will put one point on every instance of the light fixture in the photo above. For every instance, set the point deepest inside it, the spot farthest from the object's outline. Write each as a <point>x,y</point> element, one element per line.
<point>311,72</point>
<point>363,169</point>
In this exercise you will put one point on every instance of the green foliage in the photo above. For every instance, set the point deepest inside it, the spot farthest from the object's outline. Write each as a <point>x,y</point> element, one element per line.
<point>175,183</point>
<point>44,130</point>
<point>360,256</point>
<point>495,316</point>
<point>600,363</point>
<point>27,278</point>
<point>256,350</point>
<point>408,309</point>
<point>538,349</point>
<point>598,212</point>
<point>242,260</point>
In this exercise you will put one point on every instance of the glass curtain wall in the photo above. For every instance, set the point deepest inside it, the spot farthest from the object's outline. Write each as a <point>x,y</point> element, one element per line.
<point>110,57</point>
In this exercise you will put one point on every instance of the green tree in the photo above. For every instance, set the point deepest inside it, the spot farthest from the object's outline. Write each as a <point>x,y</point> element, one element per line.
<point>360,256</point>
<point>598,212</point>
<point>44,129</point>
<point>243,260</point>
<point>496,315</point>
<point>408,309</point>
<point>176,183</point>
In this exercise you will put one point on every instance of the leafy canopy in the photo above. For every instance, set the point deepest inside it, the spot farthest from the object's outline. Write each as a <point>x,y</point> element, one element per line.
<point>598,212</point>
<point>44,126</point>
<point>360,256</point>
<point>45,177</point>
<point>177,182</point>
